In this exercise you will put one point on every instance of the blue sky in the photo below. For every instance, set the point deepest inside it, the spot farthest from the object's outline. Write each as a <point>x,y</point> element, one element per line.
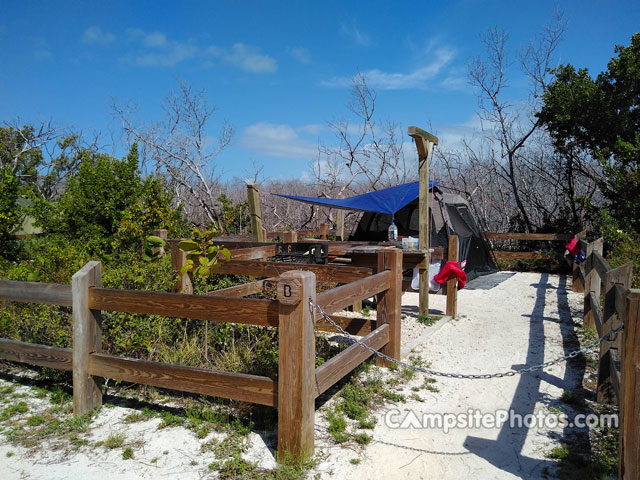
<point>277,71</point>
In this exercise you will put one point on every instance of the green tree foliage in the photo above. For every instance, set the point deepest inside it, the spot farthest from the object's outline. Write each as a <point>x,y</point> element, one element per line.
<point>108,206</point>
<point>602,116</point>
<point>9,211</point>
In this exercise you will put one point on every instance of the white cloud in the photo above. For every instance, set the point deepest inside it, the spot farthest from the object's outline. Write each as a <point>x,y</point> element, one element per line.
<point>453,137</point>
<point>301,54</point>
<point>154,49</point>
<point>155,40</point>
<point>248,59</point>
<point>399,81</point>
<point>177,53</point>
<point>277,140</point>
<point>313,128</point>
<point>95,36</point>
<point>358,37</point>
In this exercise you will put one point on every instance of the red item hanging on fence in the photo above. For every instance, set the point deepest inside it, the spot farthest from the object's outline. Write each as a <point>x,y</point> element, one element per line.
<point>451,268</point>
<point>573,246</point>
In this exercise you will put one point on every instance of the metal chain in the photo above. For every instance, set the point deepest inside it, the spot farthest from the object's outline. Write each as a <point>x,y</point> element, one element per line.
<point>608,337</point>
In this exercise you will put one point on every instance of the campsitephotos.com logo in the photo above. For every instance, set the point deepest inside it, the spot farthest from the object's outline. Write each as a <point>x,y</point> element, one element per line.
<point>476,419</point>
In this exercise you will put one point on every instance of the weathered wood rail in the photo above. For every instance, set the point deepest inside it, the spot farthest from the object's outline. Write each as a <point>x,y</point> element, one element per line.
<point>501,254</point>
<point>619,359</point>
<point>298,383</point>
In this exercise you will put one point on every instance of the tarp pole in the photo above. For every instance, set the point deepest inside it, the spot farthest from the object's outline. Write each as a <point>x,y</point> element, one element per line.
<point>254,210</point>
<point>424,144</point>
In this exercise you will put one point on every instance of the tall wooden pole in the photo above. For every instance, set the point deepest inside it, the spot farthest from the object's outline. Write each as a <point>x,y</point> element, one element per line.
<point>340,225</point>
<point>256,216</point>
<point>424,143</point>
<point>452,288</point>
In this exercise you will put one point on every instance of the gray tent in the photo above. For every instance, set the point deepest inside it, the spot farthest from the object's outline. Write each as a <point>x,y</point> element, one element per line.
<point>450,215</point>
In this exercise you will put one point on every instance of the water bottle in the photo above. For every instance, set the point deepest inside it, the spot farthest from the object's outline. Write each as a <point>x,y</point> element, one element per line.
<point>393,232</point>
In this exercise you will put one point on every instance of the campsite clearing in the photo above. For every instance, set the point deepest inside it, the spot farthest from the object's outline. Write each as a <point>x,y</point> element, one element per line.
<point>506,320</point>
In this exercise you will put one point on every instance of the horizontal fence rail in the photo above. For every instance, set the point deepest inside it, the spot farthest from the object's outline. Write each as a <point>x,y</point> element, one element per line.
<point>35,292</point>
<point>329,373</point>
<point>324,273</point>
<point>509,255</point>
<point>341,297</point>
<point>249,311</point>
<point>528,236</point>
<point>235,386</point>
<point>33,354</point>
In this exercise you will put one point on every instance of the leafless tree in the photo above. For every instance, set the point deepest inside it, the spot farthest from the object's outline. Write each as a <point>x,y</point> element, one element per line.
<point>181,147</point>
<point>508,127</point>
<point>367,155</point>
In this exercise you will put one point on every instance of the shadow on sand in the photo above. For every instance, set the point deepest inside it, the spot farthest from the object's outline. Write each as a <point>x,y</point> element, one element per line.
<point>506,451</point>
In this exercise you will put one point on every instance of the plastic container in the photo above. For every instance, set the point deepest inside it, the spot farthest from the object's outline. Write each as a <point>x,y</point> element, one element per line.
<point>410,243</point>
<point>393,232</point>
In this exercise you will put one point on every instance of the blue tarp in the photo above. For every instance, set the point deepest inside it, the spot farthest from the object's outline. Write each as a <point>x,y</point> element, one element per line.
<point>388,200</point>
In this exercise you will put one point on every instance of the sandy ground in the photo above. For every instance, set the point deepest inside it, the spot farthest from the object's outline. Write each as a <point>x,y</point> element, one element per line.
<point>505,321</point>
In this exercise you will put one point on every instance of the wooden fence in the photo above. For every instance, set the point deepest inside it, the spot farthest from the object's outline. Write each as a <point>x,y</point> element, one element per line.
<point>619,360</point>
<point>299,382</point>
<point>501,254</point>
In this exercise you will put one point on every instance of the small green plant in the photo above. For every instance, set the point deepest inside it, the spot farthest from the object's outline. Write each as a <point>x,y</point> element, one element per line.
<point>559,453</point>
<point>337,427</point>
<point>428,320</point>
<point>354,461</point>
<point>13,410</point>
<point>408,374</point>
<point>170,419</point>
<point>114,440</point>
<point>589,333</point>
<point>10,454</point>
<point>367,423</point>
<point>127,453</point>
<point>202,259</point>
<point>394,397</point>
<point>362,439</point>
<point>366,311</point>
<point>35,420</point>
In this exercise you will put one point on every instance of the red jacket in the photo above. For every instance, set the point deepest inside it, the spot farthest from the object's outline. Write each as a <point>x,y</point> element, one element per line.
<point>451,268</point>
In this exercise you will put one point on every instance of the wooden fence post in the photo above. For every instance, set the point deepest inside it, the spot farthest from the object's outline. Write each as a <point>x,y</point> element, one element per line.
<point>290,237</point>
<point>629,433</point>
<point>340,225</point>
<point>452,289</point>
<point>577,284</point>
<point>296,368</point>
<point>323,231</point>
<point>424,144</point>
<point>178,260</point>
<point>161,233</point>
<point>254,211</point>
<point>592,282</point>
<point>610,320</point>
<point>87,339</point>
<point>390,303</point>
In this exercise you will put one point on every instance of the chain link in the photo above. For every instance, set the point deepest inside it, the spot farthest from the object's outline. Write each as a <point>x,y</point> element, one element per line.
<point>608,337</point>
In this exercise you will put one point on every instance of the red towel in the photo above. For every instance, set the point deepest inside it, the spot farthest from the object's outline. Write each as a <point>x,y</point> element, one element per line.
<point>451,268</point>
<point>573,246</point>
